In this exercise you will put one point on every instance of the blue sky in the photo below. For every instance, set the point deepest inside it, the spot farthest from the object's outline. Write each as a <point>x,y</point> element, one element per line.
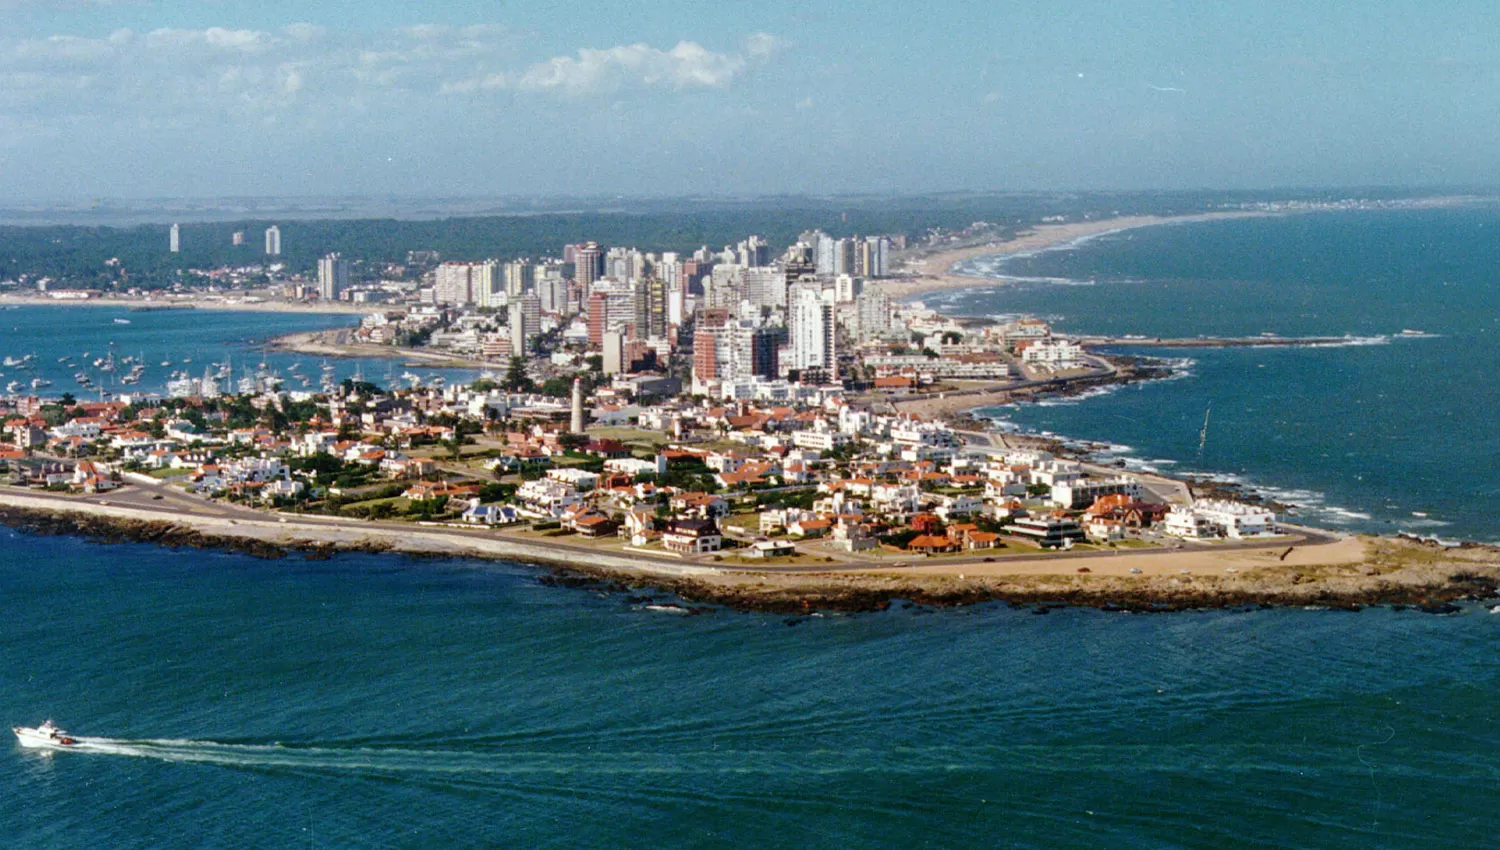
<point>115,98</point>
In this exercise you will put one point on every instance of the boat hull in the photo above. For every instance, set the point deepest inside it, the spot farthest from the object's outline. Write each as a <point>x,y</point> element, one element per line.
<point>37,740</point>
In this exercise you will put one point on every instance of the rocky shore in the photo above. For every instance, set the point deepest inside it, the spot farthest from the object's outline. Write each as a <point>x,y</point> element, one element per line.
<point>1385,572</point>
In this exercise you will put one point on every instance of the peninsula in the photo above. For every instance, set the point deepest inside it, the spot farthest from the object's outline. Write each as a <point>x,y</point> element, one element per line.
<point>766,430</point>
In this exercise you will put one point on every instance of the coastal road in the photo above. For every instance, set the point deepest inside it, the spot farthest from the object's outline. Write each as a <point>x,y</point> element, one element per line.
<point>182,508</point>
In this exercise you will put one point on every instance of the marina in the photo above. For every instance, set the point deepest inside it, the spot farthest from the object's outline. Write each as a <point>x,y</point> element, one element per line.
<point>178,353</point>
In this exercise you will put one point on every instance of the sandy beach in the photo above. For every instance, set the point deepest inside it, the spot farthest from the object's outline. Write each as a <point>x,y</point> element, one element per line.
<point>335,343</point>
<point>933,272</point>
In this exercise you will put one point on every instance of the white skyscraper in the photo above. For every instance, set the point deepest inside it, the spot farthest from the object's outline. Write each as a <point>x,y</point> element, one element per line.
<point>333,277</point>
<point>825,255</point>
<point>273,241</point>
<point>765,286</point>
<point>812,331</point>
<point>469,283</point>
<point>174,239</point>
<point>525,322</point>
<point>873,313</point>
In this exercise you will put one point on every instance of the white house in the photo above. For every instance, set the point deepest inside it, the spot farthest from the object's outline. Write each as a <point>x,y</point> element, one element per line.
<point>1236,519</point>
<point>546,498</point>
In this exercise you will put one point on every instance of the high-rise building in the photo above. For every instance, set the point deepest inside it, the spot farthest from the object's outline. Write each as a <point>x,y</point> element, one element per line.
<point>273,241</point>
<point>333,277</point>
<point>693,272</point>
<point>847,288</point>
<point>677,307</point>
<point>812,331</point>
<point>756,351</point>
<point>613,346</point>
<point>468,283</point>
<point>825,255</point>
<point>650,308</point>
<point>519,278</point>
<point>726,285</point>
<point>588,264</point>
<point>872,313</point>
<point>238,238</point>
<point>486,285</point>
<point>843,256</point>
<point>753,252</point>
<point>174,238</point>
<point>765,286</point>
<point>705,356</point>
<point>598,305</point>
<point>525,322</point>
<point>553,293</point>
<point>880,257</point>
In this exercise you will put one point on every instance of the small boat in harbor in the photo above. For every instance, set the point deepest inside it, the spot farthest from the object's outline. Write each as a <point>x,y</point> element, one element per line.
<point>45,736</point>
<point>122,321</point>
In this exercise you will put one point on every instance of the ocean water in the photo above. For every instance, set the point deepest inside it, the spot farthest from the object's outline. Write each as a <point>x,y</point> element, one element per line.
<point>191,340</point>
<point>1384,432</point>
<point>379,701</point>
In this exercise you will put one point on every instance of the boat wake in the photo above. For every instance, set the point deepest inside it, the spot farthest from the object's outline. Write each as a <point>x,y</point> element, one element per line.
<point>497,765</point>
<point>297,757</point>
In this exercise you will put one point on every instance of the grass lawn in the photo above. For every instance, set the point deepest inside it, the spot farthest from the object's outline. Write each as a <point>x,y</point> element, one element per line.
<point>629,434</point>
<point>169,473</point>
<point>749,521</point>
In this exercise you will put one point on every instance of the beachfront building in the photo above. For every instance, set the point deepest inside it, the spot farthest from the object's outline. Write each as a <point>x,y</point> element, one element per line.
<point>1236,520</point>
<point>1057,353</point>
<point>1182,521</point>
<point>1080,493</point>
<point>333,277</point>
<point>1048,532</point>
<point>692,536</point>
<point>546,498</point>
<point>1220,518</point>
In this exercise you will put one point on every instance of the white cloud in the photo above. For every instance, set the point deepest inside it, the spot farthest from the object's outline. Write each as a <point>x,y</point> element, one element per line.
<point>761,45</point>
<point>688,65</point>
<point>304,72</point>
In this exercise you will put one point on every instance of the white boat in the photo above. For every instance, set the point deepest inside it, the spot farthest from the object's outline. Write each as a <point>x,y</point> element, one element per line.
<point>45,736</point>
<point>122,321</point>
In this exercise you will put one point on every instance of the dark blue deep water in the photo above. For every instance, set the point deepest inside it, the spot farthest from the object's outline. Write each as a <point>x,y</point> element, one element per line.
<point>1386,433</point>
<point>375,701</point>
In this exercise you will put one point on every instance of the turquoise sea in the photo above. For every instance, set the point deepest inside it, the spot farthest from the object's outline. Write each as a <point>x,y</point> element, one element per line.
<point>189,341</point>
<point>1386,432</point>
<point>383,701</point>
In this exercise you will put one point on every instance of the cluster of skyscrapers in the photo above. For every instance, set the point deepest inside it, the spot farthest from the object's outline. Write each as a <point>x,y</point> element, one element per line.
<point>273,239</point>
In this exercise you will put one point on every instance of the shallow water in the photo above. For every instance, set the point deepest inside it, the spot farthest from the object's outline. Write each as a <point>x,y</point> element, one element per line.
<point>1370,435</point>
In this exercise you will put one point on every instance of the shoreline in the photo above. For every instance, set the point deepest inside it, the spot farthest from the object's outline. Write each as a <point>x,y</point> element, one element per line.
<point>197,303</point>
<point>937,272</point>
<point>317,343</point>
<point>1337,572</point>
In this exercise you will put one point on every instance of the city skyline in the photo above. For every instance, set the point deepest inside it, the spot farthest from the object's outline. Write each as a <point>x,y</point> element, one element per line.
<point>172,99</point>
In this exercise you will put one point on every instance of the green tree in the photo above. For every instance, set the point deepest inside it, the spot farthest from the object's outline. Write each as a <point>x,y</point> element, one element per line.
<point>516,380</point>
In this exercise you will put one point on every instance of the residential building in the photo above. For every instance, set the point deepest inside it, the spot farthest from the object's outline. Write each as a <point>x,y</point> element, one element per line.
<point>333,277</point>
